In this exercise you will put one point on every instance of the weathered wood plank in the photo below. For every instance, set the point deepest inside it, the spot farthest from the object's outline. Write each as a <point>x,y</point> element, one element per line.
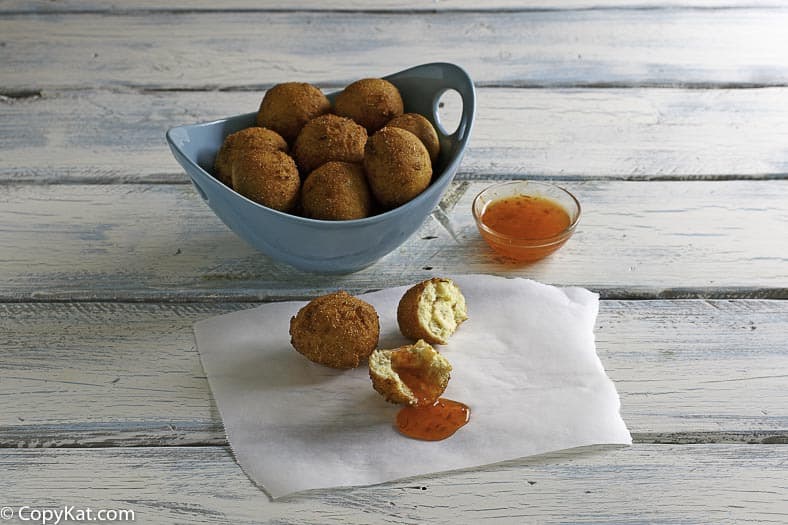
<point>253,49</point>
<point>638,484</point>
<point>115,6</point>
<point>161,242</point>
<point>101,136</point>
<point>101,374</point>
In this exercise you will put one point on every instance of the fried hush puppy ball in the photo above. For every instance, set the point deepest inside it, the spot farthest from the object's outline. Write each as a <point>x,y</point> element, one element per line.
<point>398,166</point>
<point>336,191</point>
<point>287,107</point>
<point>421,127</point>
<point>254,138</point>
<point>328,138</point>
<point>432,310</point>
<point>267,177</point>
<point>371,102</point>
<point>336,330</point>
<point>414,375</point>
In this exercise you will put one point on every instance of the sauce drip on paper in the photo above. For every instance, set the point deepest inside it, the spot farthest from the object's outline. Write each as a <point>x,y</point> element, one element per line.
<point>433,422</point>
<point>433,418</point>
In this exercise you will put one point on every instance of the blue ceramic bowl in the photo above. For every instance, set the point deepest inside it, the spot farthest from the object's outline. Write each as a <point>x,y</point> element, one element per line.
<point>331,246</point>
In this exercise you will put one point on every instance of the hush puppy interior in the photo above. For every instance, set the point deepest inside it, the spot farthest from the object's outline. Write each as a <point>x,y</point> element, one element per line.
<point>432,310</point>
<point>371,102</point>
<point>336,191</point>
<point>287,107</point>
<point>267,177</point>
<point>414,375</point>
<point>422,128</point>
<point>335,330</point>
<point>398,166</point>
<point>254,138</point>
<point>329,138</point>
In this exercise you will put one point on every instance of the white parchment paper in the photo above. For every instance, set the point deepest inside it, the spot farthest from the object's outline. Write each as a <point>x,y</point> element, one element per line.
<point>524,362</point>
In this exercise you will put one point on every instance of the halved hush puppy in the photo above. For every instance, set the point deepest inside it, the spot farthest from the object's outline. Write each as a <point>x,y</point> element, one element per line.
<point>414,375</point>
<point>254,138</point>
<point>267,177</point>
<point>421,127</point>
<point>371,102</point>
<point>336,191</point>
<point>336,330</point>
<point>398,166</point>
<point>329,138</point>
<point>287,107</point>
<point>432,310</point>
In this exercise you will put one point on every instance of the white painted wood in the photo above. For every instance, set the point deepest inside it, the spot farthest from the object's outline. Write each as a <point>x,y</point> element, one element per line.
<point>113,6</point>
<point>639,484</point>
<point>161,242</point>
<point>126,374</point>
<point>252,49</point>
<point>102,136</point>
<point>109,374</point>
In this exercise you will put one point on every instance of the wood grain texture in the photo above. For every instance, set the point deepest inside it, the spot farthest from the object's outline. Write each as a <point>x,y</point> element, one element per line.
<point>114,6</point>
<point>111,374</point>
<point>87,90</point>
<point>638,484</point>
<point>101,136</point>
<point>161,242</point>
<point>542,48</point>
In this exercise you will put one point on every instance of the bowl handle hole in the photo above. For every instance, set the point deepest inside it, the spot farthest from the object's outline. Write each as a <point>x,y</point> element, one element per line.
<point>447,111</point>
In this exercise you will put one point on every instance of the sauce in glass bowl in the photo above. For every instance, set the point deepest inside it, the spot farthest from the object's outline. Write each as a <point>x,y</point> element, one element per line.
<point>525,221</point>
<point>526,217</point>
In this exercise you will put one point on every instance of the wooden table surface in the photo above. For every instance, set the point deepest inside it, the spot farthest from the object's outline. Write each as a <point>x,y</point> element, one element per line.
<point>668,119</point>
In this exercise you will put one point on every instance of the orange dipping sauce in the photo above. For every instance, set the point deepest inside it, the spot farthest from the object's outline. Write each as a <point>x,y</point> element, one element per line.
<point>434,422</point>
<point>526,217</point>
<point>425,392</point>
<point>525,227</point>
<point>433,418</point>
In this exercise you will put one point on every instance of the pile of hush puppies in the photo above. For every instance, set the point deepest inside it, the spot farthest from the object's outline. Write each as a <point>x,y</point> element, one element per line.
<point>360,157</point>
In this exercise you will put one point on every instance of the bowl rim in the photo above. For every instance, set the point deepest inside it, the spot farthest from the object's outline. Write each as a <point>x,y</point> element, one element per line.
<point>478,211</point>
<point>434,186</point>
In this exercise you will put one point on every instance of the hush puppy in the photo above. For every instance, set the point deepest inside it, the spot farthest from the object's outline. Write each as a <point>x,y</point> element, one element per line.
<point>244,140</point>
<point>336,330</point>
<point>421,127</point>
<point>432,310</point>
<point>414,375</point>
<point>287,107</point>
<point>398,166</point>
<point>267,177</point>
<point>328,138</point>
<point>371,102</point>
<point>336,191</point>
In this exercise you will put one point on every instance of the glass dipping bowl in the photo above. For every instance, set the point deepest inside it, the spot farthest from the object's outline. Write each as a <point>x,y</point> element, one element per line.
<point>521,249</point>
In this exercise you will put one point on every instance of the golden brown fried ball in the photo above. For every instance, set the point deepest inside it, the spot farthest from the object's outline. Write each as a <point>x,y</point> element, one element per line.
<point>328,138</point>
<point>244,140</point>
<point>371,102</point>
<point>432,310</point>
<point>287,107</point>
<point>414,375</point>
<point>267,177</point>
<point>336,330</point>
<point>398,166</point>
<point>336,191</point>
<point>421,127</point>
